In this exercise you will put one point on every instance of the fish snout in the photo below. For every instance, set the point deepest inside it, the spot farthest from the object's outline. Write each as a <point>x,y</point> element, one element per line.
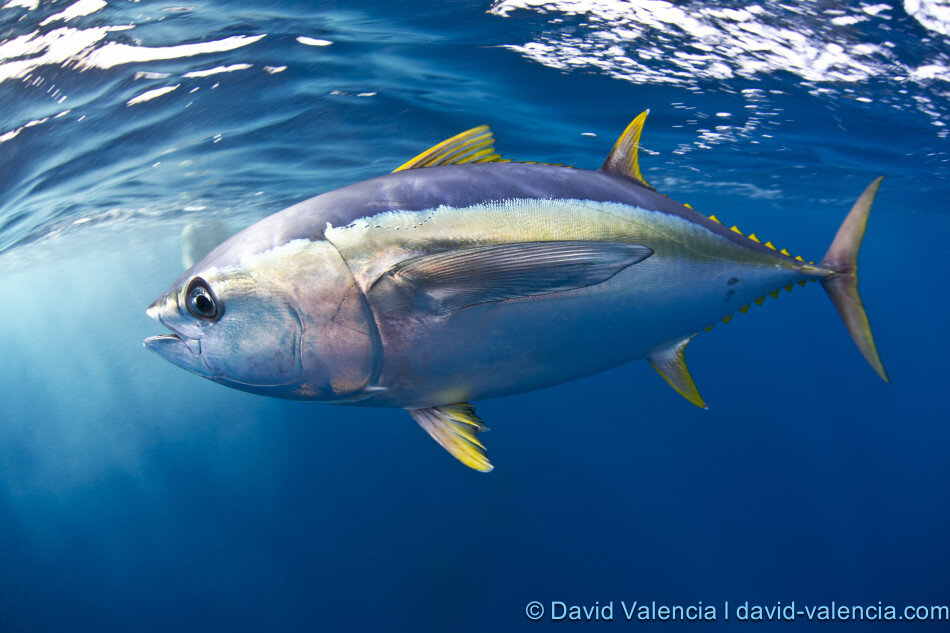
<point>182,347</point>
<point>154,311</point>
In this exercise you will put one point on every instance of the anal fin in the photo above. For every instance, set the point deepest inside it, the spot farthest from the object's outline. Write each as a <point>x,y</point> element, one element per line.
<point>670,362</point>
<point>456,427</point>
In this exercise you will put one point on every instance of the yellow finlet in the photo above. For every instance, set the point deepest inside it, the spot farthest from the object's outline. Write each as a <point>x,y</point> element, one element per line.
<point>800,258</point>
<point>735,229</point>
<point>744,308</point>
<point>774,294</point>
<point>715,219</point>
<point>624,159</point>
<point>670,363</point>
<point>789,287</point>
<point>770,245</point>
<point>688,205</point>
<point>709,328</point>
<point>472,146</point>
<point>455,427</point>
<point>760,301</point>
<point>754,238</point>
<point>803,282</point>
<point>785,252</point>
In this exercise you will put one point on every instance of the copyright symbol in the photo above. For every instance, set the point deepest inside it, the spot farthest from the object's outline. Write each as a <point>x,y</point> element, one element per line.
<point>534,610</point>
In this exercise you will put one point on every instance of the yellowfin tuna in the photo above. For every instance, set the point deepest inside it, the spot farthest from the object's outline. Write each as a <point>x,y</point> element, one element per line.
<point>463,275</point>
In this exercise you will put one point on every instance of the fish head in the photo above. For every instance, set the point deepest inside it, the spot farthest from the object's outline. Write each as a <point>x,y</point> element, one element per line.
<point>284,321</point>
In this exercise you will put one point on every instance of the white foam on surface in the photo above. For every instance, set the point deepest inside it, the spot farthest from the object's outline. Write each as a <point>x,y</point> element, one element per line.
<point>76,10</point>
<point>217,70</point>
<point>151,94</point>
<point>114,53</point>
<point>312,41</point>
<point>832,48</point>
<point>933,15</point>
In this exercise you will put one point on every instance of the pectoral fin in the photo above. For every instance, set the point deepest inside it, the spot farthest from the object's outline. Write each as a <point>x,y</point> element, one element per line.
<point>670,362</point>
<point>448,282</point>
<point>456,427</point>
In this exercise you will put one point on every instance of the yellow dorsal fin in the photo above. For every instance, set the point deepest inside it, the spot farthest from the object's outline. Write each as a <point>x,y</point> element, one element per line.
<point>456,427</point>
<point>754,238</point>
<point>473,146</point>
<point>670,363</point>
<point>715,219</point>
<point>623,159</point>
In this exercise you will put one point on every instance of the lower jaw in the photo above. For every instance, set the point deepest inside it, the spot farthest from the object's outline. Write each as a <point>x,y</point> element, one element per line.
<point>178,352</point>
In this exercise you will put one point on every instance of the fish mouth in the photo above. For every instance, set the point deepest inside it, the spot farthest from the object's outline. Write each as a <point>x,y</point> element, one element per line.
<point>176,348</point>
<point>179,351</point>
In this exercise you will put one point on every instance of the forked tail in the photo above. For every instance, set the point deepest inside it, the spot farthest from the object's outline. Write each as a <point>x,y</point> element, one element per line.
<point>842,286</point>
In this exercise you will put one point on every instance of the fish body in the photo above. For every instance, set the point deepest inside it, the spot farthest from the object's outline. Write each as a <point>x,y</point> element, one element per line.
<point>453,280</point>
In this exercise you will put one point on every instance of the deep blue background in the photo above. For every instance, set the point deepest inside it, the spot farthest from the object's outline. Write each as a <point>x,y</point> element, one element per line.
<point>137,497</point>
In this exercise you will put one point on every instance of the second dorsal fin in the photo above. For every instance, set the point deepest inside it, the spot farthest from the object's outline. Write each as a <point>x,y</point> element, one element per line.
<point>473,146</point>
<point>623,159</point>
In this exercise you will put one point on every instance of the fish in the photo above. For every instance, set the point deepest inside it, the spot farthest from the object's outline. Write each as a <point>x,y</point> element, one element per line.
<point>463,275</point>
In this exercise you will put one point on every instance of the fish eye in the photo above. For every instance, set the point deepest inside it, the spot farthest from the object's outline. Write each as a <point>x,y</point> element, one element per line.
<point>200,301</point>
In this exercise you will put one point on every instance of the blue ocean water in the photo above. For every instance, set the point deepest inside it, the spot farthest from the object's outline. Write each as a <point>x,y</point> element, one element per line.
<point>137,497</point>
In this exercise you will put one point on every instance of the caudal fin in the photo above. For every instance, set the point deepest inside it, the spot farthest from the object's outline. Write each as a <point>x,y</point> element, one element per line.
<point>842,286</point>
